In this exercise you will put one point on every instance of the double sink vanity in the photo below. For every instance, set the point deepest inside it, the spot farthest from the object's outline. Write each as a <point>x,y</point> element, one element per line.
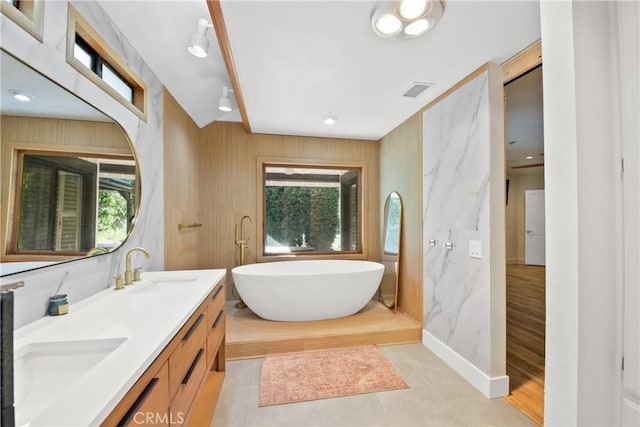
<point>152,353</point>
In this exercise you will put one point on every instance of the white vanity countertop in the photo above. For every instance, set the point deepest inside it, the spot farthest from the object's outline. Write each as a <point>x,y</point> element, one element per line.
<point>147,314</point>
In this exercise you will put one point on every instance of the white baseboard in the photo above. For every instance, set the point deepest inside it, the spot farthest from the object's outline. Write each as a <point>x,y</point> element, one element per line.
<point>491,387</point>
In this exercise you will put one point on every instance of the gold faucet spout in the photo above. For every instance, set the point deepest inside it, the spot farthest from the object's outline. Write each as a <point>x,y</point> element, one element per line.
<point>96,250</point>
<point>128,272</point>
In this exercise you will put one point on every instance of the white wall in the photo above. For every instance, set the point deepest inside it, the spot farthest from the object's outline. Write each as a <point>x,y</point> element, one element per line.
<point>582,177</point>
<point>628,32</point>
<point>463,197</point>
<point>527,179</point>
<point>86,277</point>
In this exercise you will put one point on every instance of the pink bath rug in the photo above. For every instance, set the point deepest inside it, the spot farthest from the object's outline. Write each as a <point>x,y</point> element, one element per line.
<point>325,374</point>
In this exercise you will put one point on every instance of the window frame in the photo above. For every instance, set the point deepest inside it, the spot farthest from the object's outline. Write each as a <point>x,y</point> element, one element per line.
<point>78,27</point>
<point>11,252</point>
<point>28,15</point>
<point>361,167</point>
<point>99,64</point>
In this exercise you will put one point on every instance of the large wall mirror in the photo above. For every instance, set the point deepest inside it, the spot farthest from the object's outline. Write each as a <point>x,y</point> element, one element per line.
<point>391,239</point>
<point>70,184</point>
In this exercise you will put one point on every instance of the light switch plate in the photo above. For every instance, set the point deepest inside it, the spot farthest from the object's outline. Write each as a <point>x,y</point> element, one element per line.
<point>475,249</point>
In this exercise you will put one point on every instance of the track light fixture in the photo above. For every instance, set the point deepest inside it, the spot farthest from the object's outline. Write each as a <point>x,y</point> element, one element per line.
<point>198,42</point>
<point>224,103</point>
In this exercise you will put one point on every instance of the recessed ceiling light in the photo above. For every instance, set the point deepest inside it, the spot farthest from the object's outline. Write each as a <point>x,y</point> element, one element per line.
<point>529,157</point>
<point>21,96</point>
<point>329,120</point>
<point>410,9</point>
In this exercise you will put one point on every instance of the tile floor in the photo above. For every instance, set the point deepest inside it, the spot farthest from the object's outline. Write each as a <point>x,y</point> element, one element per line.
<point>436,396</point>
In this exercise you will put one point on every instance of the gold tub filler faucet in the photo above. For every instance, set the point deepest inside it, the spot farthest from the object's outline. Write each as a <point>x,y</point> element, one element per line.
<point>241,244</point>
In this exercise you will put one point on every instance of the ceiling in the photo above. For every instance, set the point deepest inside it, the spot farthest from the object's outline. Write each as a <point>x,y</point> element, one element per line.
<point>49,99</point>
<point>525,131</point>
<point>160,31</point>
<point>298,61</point>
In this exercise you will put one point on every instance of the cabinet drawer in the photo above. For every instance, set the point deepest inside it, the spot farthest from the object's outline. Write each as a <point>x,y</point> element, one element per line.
<point>191,338</point>
<point>188,386</point>
<point>214,337</point>
<point>152,405</point>
<point>217,301</point>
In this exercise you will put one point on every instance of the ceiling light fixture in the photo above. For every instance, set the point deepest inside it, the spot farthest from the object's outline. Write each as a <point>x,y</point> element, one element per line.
<point>224,103</point>
<point>411,9</point>
<point>405,18</point>
<point>198,42</point>
<point>21,96</point>
<point>329,120</point>
<point>528,158</point>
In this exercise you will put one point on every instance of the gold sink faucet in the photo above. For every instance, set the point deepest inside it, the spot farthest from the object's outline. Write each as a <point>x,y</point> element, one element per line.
<point>96,250</point>
<point>128,273</point>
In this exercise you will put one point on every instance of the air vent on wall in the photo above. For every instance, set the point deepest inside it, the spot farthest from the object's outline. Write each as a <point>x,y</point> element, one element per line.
<point>417,89</point>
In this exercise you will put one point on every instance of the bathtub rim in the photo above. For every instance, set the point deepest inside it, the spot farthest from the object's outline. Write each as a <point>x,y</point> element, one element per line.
<point>245,269</point>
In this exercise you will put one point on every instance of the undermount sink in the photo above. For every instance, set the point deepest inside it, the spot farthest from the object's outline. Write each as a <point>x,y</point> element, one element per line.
<point>42,370</point>
<point>163,285</point>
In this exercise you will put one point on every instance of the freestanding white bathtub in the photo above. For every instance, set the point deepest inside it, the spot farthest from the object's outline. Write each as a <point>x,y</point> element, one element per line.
<point>307,290</point>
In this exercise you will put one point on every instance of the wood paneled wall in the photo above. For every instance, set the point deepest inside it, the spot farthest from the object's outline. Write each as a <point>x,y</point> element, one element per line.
<point>227,164</point>
<point>401,171</point>
<point>182,187</point>
<point>58,135</point>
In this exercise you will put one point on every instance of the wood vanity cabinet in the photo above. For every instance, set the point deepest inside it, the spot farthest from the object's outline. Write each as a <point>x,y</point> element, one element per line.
<point>181,386</point>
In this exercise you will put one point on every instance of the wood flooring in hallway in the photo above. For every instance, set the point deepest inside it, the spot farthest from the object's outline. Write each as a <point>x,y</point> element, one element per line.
<point>525,338</point>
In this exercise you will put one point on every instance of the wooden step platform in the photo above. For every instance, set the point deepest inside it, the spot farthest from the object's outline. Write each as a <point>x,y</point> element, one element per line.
<point>249,336</point>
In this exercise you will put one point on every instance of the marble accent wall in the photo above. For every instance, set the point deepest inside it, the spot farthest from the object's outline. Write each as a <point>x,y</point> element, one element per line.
<point>457,208</point>
<point>81,279</point>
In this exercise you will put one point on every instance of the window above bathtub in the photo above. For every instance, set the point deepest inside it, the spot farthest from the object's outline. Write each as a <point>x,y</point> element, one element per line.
<point>310,209</point>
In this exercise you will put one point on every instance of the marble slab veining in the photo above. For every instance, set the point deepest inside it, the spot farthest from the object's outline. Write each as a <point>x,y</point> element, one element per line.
<point>456,174</point>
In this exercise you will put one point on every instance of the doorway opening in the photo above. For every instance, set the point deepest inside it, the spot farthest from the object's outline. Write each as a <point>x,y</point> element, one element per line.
<point>525,247</point>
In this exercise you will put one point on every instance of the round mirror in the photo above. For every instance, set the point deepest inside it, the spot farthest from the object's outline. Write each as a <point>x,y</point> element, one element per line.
<point>70,184</point>
<point>392,234</point>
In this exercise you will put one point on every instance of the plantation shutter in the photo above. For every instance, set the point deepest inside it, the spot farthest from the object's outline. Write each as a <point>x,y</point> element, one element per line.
<point>69,212</point>
<point>349,210</point>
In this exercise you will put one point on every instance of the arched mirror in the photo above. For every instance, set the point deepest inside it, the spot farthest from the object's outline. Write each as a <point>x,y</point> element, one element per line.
<point>70,184</point>
<point>391,239</point>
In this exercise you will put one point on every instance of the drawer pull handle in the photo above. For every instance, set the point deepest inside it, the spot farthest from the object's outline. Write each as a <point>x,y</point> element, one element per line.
<point>192,367</point>
<point>193,328</point>
<point>217,292</point>
<point>126,420</point>
<point>217,319</point>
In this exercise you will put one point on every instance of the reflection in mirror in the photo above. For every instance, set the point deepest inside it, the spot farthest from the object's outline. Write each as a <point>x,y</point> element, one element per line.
<point>69,177</point>
<point>392,233</point>
<point>59,196</point>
